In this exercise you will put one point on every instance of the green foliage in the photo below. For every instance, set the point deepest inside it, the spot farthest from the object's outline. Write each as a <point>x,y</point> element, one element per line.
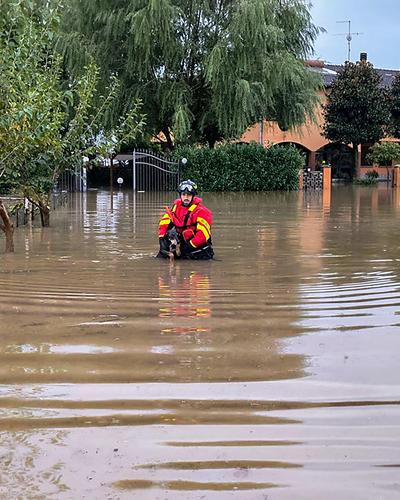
<point>372,174</point>
<point>47,124</point>
<point>85,132</point>
<point>242,167</point>
<point>205,70</point>
<point>394,102</point>
<point>383,153</point>
<point>30,106</point>
<point>356,111</point>
<point>8,181</point>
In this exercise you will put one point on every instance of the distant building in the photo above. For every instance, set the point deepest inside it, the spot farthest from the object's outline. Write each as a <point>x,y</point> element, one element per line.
<point>309,139</point>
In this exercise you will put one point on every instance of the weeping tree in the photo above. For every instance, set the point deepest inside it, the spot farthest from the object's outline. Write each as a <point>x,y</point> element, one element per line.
<point>204,70</point>
<point>356,110</point>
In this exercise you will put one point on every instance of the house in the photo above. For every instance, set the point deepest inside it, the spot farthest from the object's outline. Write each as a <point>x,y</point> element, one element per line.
<point>309,139</point>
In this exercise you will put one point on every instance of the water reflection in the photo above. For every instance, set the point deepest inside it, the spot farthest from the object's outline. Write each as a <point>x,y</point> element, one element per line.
<point>184,294</point>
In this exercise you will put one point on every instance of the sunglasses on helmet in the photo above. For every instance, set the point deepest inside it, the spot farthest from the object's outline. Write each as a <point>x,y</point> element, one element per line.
<point>186,188</point>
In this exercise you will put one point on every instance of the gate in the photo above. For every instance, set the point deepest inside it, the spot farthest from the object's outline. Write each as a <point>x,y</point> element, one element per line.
<point>152,171</point>
<point>312,179</point>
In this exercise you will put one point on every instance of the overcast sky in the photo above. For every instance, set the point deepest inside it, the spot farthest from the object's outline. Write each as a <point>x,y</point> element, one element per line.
<point>377,20</point>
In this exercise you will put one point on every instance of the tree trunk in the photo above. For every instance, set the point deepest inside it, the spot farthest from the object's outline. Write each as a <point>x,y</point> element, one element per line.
<point>170,142</point>
<point>356,169</point>
<point>44,214</point>
<point>7,227</point>
<point>43,204</point>
<point>211,135</point>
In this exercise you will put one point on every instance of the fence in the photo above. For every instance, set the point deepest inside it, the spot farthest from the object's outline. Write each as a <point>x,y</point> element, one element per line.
<point>22,211</point>
<point>72,181</point>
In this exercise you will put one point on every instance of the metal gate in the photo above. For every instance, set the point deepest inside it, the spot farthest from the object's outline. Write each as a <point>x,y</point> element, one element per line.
<point>312,179</point>
<point>152,171</point>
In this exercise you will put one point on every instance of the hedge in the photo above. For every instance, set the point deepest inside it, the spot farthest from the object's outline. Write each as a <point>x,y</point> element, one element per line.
<point>242,167</point>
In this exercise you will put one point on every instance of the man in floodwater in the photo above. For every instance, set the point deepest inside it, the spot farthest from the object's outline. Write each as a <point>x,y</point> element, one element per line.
<point>185,230</point>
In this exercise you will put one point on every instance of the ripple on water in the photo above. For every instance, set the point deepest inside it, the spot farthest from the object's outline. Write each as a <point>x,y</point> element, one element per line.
<point>270,371</point>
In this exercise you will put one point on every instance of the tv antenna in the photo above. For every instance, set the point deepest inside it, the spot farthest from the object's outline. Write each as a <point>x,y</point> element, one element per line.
<point>349,36</point>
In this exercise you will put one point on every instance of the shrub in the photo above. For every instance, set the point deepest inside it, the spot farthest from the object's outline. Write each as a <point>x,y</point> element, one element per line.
<point>242,167</point>
<point>372,174</point>
<point>371,177</point>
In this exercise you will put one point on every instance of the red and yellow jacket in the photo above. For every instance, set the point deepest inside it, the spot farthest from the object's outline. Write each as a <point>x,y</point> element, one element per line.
<point>194,220</point>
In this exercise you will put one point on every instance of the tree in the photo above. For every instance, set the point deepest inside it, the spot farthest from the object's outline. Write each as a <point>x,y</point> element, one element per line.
<point>48,123</point>
<point>26,79</point>
<point>31,105</point>
<point>384,153</point>
<point>394,100</point>
<point>204,70</point>
<point>7,227</point>
<point>356,110</point>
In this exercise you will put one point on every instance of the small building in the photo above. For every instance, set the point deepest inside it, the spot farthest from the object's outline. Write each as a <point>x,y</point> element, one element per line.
<point>309,139</point>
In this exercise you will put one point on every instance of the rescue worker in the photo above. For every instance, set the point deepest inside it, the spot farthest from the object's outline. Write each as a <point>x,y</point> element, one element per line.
<point>192,221</point>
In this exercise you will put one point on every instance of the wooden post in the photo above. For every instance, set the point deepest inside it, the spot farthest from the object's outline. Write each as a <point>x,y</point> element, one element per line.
<point>396,176</point>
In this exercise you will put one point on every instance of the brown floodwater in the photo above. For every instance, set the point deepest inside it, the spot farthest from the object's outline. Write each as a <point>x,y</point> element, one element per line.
<point>272,372</point>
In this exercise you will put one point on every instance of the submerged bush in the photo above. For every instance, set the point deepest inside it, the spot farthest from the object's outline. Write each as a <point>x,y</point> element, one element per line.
<point>371,177</point>
<point>242,167</point>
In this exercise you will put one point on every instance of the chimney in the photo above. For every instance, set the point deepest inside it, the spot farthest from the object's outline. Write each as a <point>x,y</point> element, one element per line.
<point>363,56</point>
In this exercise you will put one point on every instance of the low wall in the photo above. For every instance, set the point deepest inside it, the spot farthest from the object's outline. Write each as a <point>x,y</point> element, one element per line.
<point>385,173</point>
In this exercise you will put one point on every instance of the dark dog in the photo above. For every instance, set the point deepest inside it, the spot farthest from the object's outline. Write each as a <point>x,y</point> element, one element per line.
<point>174,243</point>
<point>170,245</point>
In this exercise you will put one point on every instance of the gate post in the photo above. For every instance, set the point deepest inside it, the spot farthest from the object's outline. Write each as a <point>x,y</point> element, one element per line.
<point>396,176</point>
<point>326,177</point>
